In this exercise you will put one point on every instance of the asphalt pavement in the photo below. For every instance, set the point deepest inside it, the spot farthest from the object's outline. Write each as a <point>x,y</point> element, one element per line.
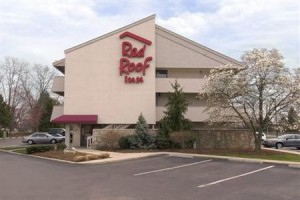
<point>160,178</point>
<point>11,142</point>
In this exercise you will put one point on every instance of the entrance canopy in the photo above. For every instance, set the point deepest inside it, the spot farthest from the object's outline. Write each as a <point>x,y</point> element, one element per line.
<point>76,119</point>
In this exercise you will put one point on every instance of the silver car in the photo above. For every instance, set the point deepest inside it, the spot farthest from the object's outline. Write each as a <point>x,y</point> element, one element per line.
<point>288,140</point>
<point>43,137</point>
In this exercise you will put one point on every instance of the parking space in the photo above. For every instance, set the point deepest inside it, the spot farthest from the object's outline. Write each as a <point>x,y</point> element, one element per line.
<point>162,177</point>
<point>218,179</point>
<point>11,142</point>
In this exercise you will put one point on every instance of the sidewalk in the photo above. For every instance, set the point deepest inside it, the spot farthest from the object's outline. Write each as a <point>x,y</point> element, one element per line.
<point>116,156</point>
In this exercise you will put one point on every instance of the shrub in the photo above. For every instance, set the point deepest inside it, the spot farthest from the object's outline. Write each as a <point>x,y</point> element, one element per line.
<point>130,142</point>
<point>142,139</point>
<point>162,142</point>
<point>124,143</point>
<point>135,142</point>
<point>183,138</point>
<point>60,146</point>
<point>39,148</point>
<point>142,132</point>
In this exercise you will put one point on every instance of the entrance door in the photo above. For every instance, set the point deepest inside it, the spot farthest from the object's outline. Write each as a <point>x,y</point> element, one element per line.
<point>86,130</point>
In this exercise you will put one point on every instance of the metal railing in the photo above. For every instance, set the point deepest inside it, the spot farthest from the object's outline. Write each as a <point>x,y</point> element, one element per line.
<point>89,142</point>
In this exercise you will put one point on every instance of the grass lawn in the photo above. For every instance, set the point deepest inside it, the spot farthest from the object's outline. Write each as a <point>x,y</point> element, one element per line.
<point>23,151</point>
<point>12,148</point>
<point>281,157</point>
<point>263,154</point>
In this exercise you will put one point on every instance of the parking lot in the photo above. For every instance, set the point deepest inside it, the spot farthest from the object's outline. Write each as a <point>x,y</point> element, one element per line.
<point>162,177</point>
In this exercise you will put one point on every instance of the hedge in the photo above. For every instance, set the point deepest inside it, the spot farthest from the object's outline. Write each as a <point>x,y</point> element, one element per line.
<point>39,148</point>
<point>60,146</point>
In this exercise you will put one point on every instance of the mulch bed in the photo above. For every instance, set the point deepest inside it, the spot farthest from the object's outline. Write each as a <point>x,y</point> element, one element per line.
<point>59,155</point>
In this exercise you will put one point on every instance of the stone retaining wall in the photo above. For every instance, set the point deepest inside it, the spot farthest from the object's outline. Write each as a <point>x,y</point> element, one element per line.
<point>105,138</point>
<point>109,138</point>
<point>224,139</point>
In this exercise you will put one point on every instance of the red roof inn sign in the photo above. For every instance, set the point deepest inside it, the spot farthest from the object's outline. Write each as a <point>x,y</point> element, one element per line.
<point>127,66</point>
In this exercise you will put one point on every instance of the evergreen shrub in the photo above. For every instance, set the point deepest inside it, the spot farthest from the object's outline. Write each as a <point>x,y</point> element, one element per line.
<point>39,148</point>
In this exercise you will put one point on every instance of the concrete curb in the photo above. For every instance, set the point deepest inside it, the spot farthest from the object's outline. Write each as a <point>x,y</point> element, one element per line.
<point>90,162</point>
<point>21,154</point>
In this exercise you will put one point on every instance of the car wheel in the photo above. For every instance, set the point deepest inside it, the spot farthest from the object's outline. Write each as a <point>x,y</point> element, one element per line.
<point>30,142</point>
<point>298,148</point>
<point>279,145</point>
<point>53,141</point>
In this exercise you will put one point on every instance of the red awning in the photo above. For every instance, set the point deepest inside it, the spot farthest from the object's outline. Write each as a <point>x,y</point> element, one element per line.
<point>76,119</point>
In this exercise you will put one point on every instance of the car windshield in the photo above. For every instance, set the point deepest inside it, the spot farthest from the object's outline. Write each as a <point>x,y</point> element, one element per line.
<point>56,135</point>
<point>284,136</point>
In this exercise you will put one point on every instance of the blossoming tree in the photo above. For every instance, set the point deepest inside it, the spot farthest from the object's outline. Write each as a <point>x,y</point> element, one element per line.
<point>254,94</point>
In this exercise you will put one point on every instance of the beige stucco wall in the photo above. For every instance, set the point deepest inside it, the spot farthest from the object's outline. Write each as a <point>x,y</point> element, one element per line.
<point>174,51</point>
<point>93,84</point>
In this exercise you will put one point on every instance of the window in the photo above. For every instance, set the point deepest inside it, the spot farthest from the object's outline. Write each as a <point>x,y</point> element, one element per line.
<point>161,73</point>
<point>156,99</point>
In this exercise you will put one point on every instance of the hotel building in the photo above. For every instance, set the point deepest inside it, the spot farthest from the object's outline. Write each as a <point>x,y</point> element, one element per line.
<point>110,80</point>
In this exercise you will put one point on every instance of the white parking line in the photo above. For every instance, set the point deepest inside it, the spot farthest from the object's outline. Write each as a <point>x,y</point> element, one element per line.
<point>230,178</point>
<point>170,168</point>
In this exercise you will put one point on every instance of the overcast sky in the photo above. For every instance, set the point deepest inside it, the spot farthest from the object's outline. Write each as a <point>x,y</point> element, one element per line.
<point>38,31</point>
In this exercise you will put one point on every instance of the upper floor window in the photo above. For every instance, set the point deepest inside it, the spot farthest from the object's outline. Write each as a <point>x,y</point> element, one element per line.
<point>161,73</point>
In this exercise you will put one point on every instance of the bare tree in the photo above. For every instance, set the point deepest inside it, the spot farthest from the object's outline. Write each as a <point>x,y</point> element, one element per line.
<point>22,88</point>
<point>253,95</point>
<point>41,78</point>
<point>12,71</point>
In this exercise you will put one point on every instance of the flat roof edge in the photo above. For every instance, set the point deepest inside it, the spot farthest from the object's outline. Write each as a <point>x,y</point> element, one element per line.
<point>110,33</point>
<point>58,62</point>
